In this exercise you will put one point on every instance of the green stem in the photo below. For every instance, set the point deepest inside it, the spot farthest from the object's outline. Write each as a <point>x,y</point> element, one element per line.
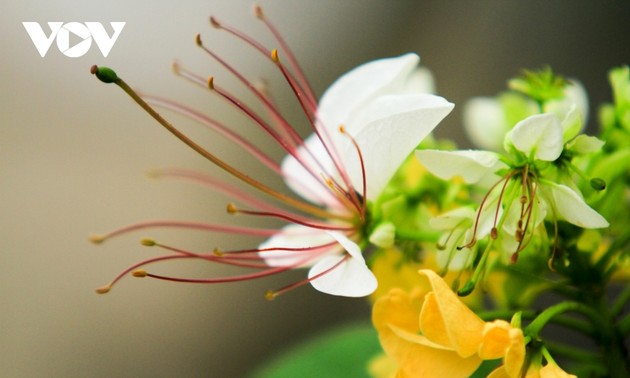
<point>416,235</point>
<point>534,328</point>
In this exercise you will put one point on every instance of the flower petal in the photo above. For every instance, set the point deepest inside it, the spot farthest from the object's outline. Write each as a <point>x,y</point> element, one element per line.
<point>471,165</point>
<point>446,320</point>
<point>347,276</point>
<point>485,122</point>
<point>387,131</point>
<point>296,236</point>
<point>361,85</point>
<point>572,208</point>
<point>395,317</point>
<point>540,134</point>
<point>302,181</point>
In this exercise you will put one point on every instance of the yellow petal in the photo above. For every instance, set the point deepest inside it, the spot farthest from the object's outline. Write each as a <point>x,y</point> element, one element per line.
<point>395,317</point>
<point>446,320</point>
<point>496,340</point>
<point>551,370</point>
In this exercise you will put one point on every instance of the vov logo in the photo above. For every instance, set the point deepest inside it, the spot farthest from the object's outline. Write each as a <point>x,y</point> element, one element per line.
<point>60,31</point>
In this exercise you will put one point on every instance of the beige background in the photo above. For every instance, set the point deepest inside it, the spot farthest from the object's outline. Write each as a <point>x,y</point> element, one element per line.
<point>73,153</point>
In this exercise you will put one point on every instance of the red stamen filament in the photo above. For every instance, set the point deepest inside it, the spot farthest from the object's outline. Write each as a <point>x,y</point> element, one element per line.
<point>306,87</point>
<point>183,224</point>
<point>215,126</point>
<point>291,218</point>
<point>272,294</point>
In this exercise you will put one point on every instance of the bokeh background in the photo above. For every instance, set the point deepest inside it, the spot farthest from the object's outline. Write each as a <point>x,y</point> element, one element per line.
<point>73,153</point>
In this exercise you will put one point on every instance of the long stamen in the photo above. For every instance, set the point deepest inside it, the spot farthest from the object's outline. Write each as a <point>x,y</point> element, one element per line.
<point>319,131</point>
<point>232,209</point>
<point>214,125</point>
<point>98,239</point>
<point>272,294</point>
<point>294,138</point>
<point>256,45</point>
<point>363,178</point>
<point>306,87</point>
<point>109,76</point>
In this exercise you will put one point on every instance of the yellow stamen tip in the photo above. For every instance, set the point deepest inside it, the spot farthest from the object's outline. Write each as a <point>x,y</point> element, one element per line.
<point>342,129</point>
<point>148,242</point>
<point>274,55</point>
<point>103,289</point>
<point>258,12</point>
<point>231,208</point>
<point>140,273</point>
<point>217,252</point>
<point>198,39</point>
<point>176,68</point>
<point>270,295</point>
<point>211,82</point>
<point>97,239</point>
<point>214,22</point>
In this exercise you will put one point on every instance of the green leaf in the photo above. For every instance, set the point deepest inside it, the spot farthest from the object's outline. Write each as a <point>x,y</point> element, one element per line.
<point>342,352</point>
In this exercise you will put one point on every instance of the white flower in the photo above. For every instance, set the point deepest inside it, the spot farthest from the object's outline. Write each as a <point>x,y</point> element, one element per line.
<point>381,109</point>
<point>488,119</point>
<point>533,144</point>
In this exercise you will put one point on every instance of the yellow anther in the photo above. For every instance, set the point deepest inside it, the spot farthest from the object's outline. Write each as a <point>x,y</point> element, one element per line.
<point>214,22</point>
<point>148,242</point>
<point>217,252</point>
<point>258,12</point>
<point>342,129</point>
<point>231,208</point>
<point>103,289</point>
<point>198,39</point>
<point>274,56</point>
<point>97,239</point>
<point>140,273</point>
<point>176,68</point>
<point>270,295</point>
<point>211,82</point>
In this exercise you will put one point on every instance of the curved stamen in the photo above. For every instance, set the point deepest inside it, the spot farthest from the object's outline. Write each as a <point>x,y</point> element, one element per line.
<point>290,201</point>
<point>215,126</point>
<point>232,209</point>
<point>98,239</point>
<point>301,77</point>
<point>272,294</point>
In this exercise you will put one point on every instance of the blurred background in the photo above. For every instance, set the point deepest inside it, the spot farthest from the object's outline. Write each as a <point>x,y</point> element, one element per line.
<point>74,153</point>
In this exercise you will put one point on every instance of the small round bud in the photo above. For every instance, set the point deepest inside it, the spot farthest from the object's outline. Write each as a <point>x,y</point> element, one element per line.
<point>598,184</point>
<point>467,289</point>
<point>104,74</point>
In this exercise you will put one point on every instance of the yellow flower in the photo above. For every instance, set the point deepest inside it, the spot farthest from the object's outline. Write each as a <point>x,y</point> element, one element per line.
<point>430,332</point>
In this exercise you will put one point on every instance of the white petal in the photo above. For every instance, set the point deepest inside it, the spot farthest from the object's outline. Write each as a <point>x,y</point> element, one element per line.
<point>485,122</point>
<point>540,134</point>
<point>301,181</point>
<point>350,278</point>
<point>419,80</point>
<point>470,165</point>
<point>361,85</point>
<point>387,131</point>
<point>584,144</point>
<point>572,208</point>
<point>296,236</point>
<point>452,219</point>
